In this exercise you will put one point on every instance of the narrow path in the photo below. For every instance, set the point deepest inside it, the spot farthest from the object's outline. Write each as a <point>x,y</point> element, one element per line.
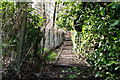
<point>67,65</point>
<point>67,56</point>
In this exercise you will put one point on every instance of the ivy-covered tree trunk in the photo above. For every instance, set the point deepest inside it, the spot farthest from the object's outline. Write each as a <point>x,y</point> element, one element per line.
<point>0,45</point>
<point>21,37</point>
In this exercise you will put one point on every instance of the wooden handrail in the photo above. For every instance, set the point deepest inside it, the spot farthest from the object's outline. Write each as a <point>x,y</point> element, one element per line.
<point>45,25</point>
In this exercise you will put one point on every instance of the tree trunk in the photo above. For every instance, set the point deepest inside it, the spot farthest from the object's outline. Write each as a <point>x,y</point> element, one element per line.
<point>44,13</point>
<point>21,38</point>
<point>54,14</point>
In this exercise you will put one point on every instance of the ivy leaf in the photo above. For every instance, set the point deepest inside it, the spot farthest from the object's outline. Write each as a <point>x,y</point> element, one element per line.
<point>111,4</point>
<point>3,52</point>
<point>117,67</point>
<point>115,23</point>
<point>102,12</point>
<point>108,73</point>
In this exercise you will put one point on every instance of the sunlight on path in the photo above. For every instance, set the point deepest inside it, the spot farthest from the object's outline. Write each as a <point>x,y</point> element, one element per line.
<point>67,56</point>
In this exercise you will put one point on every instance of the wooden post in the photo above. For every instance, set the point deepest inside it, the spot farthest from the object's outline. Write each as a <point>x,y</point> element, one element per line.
<point>53,38</point>
<point>43,43</point>
<point>47,35</point>
<point>48,39</point>
<point>57,38</point>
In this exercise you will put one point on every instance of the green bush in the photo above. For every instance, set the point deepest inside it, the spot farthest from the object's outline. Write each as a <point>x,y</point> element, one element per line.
<point>98,40</point>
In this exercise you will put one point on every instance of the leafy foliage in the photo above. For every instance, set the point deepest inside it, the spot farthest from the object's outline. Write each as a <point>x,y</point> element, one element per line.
<point>50,55</point>
<point>96,28</point>
<point>21,37</point>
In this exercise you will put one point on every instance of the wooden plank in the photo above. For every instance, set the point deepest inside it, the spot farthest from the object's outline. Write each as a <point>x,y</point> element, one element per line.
<point>62,65</point>
<point>58,55</point>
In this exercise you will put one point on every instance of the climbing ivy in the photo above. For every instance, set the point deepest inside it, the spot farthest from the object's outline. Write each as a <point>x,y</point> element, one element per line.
<point>96,28</point>
<point>21,36</point>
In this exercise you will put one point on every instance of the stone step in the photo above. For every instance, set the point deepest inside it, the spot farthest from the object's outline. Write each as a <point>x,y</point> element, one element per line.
<point>68,45</point>
<point>71,65</point>
<point>68,56</point>
<point>67,40</point>
<point>67,48</point>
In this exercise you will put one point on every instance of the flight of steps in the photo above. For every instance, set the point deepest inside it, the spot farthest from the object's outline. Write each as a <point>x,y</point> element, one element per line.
<point>67,57</point>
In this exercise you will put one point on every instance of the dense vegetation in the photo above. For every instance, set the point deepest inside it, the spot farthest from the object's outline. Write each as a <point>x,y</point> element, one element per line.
<point>95,28</point>
<point>95,31</point>
<point>21,39</point>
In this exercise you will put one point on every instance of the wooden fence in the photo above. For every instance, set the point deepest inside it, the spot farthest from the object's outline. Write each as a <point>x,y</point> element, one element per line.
<point>53,37</point>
